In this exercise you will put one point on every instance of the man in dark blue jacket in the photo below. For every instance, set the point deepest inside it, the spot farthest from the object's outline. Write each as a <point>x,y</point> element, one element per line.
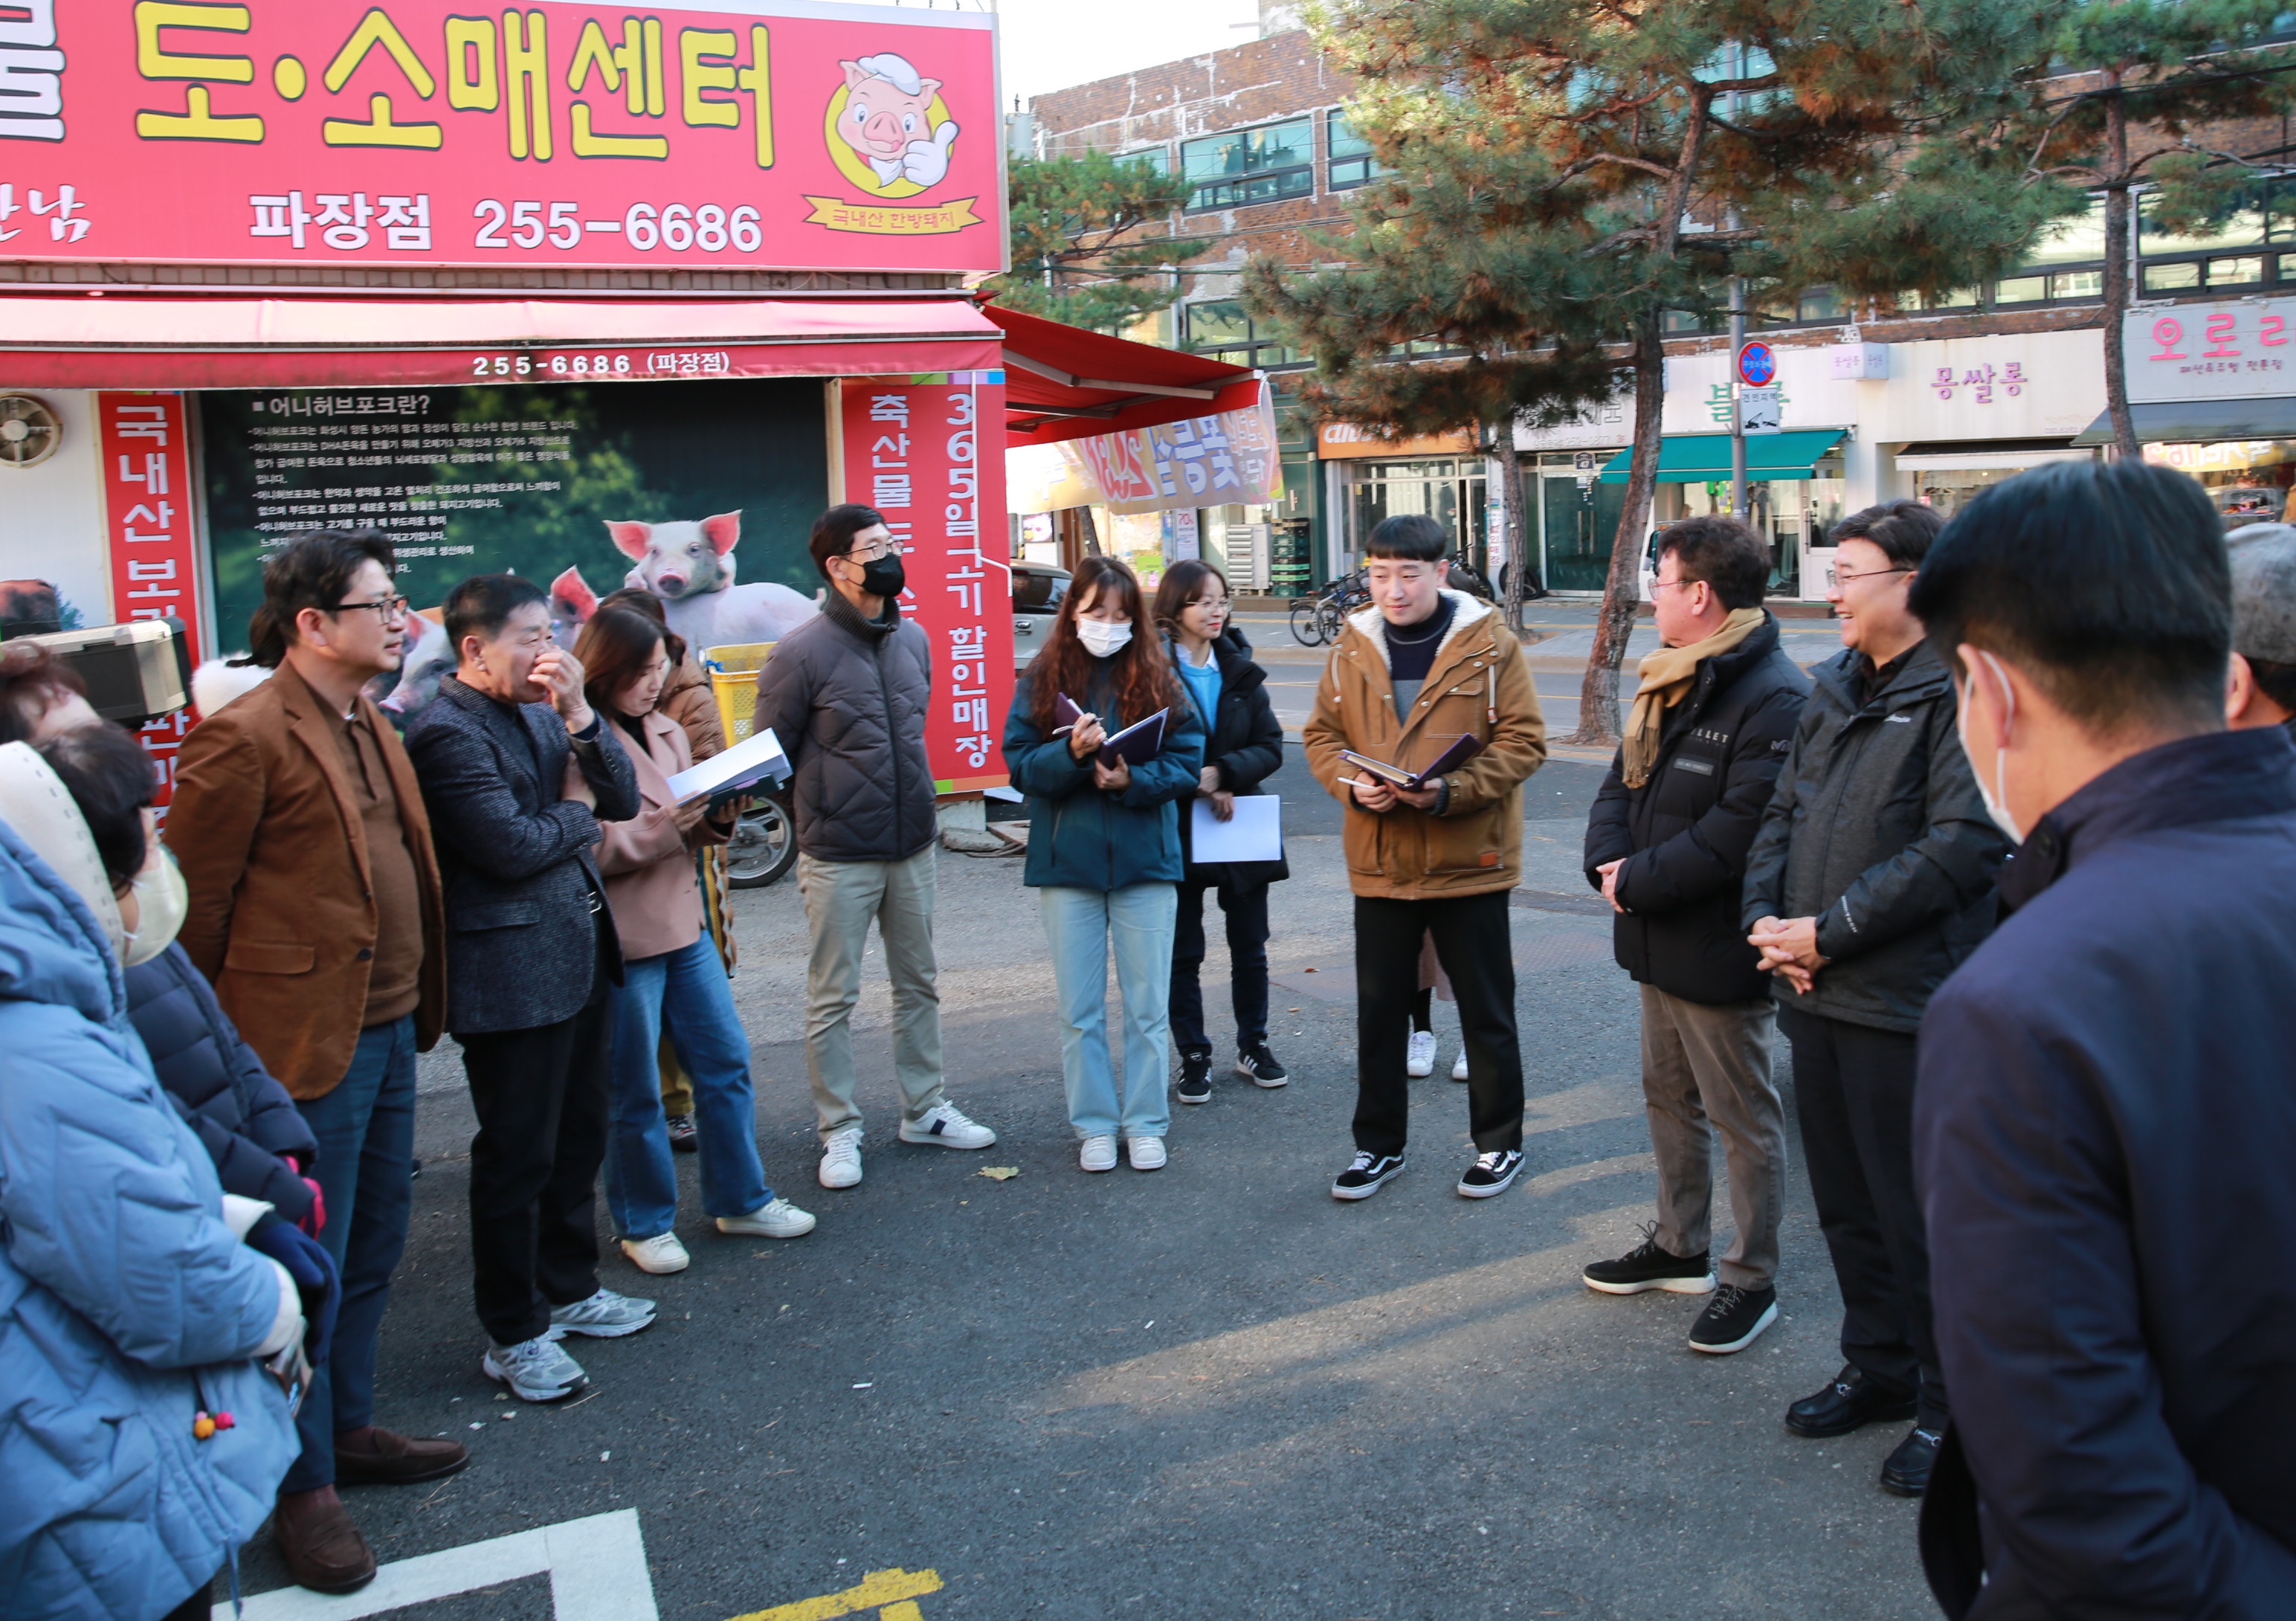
<point>530,954</point>
<point>2104,1122</point>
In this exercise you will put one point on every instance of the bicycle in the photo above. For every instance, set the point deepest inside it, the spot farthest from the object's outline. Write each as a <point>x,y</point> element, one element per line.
<point>1317,620</point>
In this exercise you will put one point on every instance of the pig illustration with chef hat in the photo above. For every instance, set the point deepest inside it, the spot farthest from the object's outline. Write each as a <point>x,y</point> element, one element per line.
<point>888,120</point>
<point>690,566</point>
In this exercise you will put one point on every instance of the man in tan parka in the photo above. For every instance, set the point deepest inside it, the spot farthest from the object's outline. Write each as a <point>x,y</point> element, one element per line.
<point>1419,668</point>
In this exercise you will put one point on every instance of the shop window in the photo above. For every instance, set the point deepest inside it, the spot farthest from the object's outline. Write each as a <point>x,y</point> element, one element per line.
<point>1819,304</point>
<point>2172,278</point>
<point>1963,297</point>
<point>2021,290</point>
<point>1351,163</point>
<point>2077,284</point>
<point>2235,272</point>
<point>1221,328</point>
<point>1247,165</point>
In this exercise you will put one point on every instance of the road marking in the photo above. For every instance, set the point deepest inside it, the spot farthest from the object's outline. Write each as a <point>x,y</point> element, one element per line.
<point>889,1592</point>
<point>596,1566</point>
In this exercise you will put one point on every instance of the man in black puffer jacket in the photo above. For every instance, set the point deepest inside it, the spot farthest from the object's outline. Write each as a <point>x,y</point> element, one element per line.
<point>846,692</point>
<point>1665,844</point>
<point>1870,881</point>
<point>242,1115</point>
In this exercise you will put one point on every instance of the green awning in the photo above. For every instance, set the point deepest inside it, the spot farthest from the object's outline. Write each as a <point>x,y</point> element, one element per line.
<point>1703,458</point>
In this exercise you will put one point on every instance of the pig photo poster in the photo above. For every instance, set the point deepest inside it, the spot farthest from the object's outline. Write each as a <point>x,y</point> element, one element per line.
<point>703,491</point>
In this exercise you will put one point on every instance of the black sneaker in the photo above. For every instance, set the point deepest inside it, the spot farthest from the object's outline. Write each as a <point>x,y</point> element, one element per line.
<point>1367,1175</point>
<point>1648,1267</point>
<point>1733,1319</point>
<point>1196,1075</point>
<point>1907,1471</point>
<point>682,1137</point>
<point>1491,1173</point>
<point>1256,1063</point>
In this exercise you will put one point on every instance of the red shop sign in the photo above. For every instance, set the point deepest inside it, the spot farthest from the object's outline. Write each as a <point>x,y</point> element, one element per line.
<point>566,136</point>
<point>147,509</point>
<point>917,452</point>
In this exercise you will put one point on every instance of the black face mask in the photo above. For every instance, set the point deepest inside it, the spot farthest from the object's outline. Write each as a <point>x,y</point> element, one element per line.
<point>882,576</point>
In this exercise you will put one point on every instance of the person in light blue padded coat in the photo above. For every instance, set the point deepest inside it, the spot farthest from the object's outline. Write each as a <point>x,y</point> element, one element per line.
<point>126,1305</point>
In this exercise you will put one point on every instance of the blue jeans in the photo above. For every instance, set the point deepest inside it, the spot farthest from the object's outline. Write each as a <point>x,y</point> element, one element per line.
<point>1081,924</point>
<point>687,989</point>
<point>365,1128</point>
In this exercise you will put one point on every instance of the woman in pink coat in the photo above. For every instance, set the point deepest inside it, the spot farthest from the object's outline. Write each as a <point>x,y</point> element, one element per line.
<point>671,973</point>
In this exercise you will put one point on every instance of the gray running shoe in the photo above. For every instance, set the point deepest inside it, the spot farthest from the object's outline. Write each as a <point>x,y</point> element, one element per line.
<point>536,1370</point>
<point>605,1316</point>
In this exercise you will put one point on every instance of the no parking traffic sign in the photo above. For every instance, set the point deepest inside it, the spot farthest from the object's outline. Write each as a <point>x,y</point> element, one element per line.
<point>1758,365</point>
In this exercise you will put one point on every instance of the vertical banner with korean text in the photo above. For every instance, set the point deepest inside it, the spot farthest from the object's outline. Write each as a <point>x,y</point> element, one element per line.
<point>147,506</point>
<point>929,452</point>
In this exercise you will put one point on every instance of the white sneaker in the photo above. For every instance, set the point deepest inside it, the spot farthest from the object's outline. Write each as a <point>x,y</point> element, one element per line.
<point>1421,1062</point>
<point>658,1255</point>
<point>536,1370</point>
<point>1459,1069</point>
<point>840,1158</point>
<point>778,1220</point>
<point>945,1125</point>
<point>1146,1153</point>
<point>1098,1154</point>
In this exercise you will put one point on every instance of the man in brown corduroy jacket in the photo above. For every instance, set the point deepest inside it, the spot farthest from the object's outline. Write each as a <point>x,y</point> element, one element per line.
<point>1421,667</point>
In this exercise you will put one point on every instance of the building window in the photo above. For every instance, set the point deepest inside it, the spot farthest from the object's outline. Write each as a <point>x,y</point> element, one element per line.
<point>2197,261</point>
<point>1249,166</point>
<point>1351,162</point>
<point>1221,328</point>
<point>1155,159</point>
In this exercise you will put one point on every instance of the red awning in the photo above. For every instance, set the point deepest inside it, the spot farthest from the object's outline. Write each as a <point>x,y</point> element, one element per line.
<point>1062,382</point>
<point>92,342</point>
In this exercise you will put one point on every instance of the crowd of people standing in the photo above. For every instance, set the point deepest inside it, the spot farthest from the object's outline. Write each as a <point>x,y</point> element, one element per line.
<point>2011,873</point>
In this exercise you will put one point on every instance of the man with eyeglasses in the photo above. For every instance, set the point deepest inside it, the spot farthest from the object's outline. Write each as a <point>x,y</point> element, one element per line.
<point>1870,881</point>
<point>846,693</point>
<point>315,909</point>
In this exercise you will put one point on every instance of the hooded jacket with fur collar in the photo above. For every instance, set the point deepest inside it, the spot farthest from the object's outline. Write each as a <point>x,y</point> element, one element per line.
<point>1480,684</point>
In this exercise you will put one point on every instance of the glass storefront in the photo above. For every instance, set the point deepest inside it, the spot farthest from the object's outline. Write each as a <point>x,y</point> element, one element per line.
<point>2249,480</point>
<point>1449,489</point>
<point>1793,513</point>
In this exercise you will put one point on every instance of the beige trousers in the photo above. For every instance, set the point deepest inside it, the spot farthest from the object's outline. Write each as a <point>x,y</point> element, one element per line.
<point>842,899</point>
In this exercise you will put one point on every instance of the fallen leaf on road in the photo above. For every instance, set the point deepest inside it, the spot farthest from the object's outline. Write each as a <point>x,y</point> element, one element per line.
<point>1000,1173</point>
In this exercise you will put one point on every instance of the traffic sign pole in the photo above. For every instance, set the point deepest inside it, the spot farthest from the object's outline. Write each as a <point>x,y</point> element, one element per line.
<point>1737,416</point>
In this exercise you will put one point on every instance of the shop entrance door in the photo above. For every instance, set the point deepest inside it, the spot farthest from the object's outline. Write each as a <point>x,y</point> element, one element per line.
<point>1580,522</point>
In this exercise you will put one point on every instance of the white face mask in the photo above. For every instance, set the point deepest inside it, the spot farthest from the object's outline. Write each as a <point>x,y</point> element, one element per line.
<point>1101,639</point>
<point>163,902</point>
<point>1994,794</point>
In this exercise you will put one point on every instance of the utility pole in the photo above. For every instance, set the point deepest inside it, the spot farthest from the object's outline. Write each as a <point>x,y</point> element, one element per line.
<point>1737,331</point>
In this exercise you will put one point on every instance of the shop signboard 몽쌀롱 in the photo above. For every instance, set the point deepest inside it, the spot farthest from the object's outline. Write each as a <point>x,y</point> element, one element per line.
<point>575,135</point>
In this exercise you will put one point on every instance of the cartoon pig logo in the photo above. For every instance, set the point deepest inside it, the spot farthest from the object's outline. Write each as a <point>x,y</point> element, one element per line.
<point>887,119</point>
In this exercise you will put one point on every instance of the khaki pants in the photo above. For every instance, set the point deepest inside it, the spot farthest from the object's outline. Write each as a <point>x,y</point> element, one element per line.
<point>1703,1063</point>
<point>840,899</point>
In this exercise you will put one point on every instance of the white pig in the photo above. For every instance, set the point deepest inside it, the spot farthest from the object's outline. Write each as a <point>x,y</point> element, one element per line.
<point>690,566</point>
<point>422,663</point>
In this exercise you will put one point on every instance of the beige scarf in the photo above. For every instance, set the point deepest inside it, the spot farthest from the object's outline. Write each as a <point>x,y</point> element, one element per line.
<point>1667,678</point>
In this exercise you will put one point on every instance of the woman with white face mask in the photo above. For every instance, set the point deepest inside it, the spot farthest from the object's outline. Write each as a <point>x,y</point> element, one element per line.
<point>1104,849</point>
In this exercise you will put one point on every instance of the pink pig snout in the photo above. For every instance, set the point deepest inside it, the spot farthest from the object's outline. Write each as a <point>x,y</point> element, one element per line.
<point>884,133</point>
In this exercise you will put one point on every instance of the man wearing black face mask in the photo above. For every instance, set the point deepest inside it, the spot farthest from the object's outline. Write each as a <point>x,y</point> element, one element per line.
<point>846,693</point>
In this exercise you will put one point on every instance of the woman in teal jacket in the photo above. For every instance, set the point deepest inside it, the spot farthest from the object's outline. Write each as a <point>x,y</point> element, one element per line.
<point>127,1308</point>
<point>1104,849</point>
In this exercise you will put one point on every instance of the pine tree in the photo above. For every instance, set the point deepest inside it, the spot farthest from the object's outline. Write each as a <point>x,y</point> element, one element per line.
<point>1664,145</point>
<point>2152,74</point>
<point>1076,252</point>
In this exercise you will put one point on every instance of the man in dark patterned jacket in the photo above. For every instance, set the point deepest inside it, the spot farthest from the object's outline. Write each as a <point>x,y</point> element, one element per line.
<point>530,951</point>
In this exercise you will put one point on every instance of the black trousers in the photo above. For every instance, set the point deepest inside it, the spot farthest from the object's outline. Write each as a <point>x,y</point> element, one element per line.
<point>1854,1097</point>
<point>541,1096</point>
<point>1245,910</point>
<point>1473,943</point>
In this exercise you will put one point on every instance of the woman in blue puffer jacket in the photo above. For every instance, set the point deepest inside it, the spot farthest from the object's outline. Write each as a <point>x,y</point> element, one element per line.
<point>127,1308</point>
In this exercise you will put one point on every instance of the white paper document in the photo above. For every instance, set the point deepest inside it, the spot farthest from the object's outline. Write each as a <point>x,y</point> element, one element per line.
<point>1256,832</point>
<point>752,760</point>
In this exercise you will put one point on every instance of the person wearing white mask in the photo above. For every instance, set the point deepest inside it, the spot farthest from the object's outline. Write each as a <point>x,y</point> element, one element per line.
<point>1870,881</point>
<point>142,1435</point>
<point>1104,849</point>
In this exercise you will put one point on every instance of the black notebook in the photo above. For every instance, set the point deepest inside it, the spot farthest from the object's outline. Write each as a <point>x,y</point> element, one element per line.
<point>1138,744</point>
<point>1462,748</point>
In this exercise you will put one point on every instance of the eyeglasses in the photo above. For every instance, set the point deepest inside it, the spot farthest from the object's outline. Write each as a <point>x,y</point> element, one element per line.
<point>1845,578</point>
<point>1662,585</point>
<point>1216,604</point>
<point>386,608</point>
<point>889,549</point>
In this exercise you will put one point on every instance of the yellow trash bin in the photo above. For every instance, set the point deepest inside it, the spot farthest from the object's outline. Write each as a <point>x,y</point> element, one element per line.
<point>734,669</point>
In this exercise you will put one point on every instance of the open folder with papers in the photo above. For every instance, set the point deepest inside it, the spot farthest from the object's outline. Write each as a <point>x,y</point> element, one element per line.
<point>1138,744</point>
<point>1462,750</point>
<point>755,760</point>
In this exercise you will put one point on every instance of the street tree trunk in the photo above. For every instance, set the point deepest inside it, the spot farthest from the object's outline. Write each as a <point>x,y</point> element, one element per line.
<point>2117,205</point>
<point>1511,523</point>
<point>1598,691</point>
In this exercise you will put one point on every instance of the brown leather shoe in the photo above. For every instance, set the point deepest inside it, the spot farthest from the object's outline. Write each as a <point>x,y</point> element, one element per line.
<point>376,1456</point>
<point>324,1550</point>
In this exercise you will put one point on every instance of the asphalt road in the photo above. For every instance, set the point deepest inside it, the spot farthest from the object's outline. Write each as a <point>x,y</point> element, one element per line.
<point>1207,1392</point>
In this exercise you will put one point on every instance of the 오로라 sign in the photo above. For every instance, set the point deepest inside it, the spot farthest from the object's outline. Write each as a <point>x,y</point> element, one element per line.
<point>423,131</point>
